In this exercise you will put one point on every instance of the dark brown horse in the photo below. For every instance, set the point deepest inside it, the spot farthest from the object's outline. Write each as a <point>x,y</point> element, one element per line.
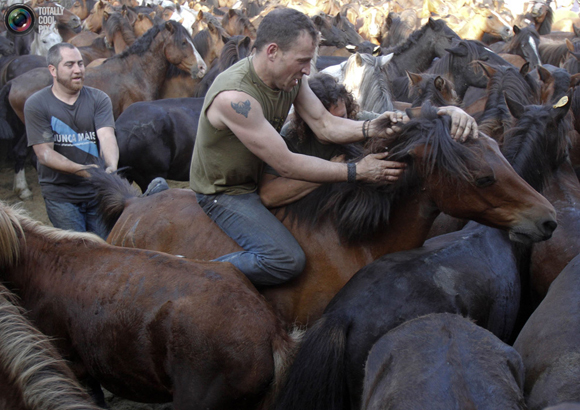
<point>32,373</point>
<point>548,343</point>
<point>147,326</point>
<point>442,361</point>
<point>343,227</point>
<point>473,272</point>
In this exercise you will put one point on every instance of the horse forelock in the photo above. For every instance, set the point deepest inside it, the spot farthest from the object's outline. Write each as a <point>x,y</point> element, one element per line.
<point>534,148</point>
<point>360,211</point>
<point>117,22</point>
<point>15,224</point>
<point>32,364</point>
<point>369,84</point>
<point>233,51</point>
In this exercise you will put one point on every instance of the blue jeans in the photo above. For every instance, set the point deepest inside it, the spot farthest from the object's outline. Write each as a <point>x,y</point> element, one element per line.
<point>271,255</point>
<point>80,217</point>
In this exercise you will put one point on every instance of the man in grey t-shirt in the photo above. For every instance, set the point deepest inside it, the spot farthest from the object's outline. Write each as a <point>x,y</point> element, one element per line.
<point>70,126</point>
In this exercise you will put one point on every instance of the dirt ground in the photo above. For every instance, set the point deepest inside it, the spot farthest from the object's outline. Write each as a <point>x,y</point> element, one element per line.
<point>37,210</point>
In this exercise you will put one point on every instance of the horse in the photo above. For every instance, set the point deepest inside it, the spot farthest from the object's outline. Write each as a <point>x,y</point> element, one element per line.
<point>118,31</point>
<point>330,35</point>
<point>343,227</point>
<point>235,23</point>
<point>483,21</point>
<point>473,368</point>
<point>373,22</point>
<point>202,20</point>
<point>548,343</point>
<point>32,373</point>
<point>396,30</point>
<point>150,58</point>
<point>82,8</point>
<point>473,272</point>
<point>235,48</point>
<point>210,42</point>
<point>540,15</point>
<point>524,43</point>
<point>44,40</point>
<point>156,139</point>
<point>68,24</point>
<point>421,48</point>
<point>94,22</point>
<point>151,327</point>
<point>433,88</point>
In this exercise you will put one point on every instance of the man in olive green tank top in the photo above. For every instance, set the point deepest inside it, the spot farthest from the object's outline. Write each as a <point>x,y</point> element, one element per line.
<point>238,132</point>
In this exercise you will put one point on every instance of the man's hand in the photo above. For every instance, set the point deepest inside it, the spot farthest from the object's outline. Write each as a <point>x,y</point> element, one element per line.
<point>83,171</point>
<point>462,124</point>
<point>395,117</point>
<point>373,168</point>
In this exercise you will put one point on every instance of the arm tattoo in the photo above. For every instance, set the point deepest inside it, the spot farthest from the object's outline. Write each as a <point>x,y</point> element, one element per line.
<point>242,108</point>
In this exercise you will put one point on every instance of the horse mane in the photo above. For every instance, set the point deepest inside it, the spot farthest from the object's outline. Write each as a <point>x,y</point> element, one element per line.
<point>360,211</point>
<point>417,34</point>
<point>533,151</point>
<point>572,64</point>
<point>118,22</point>
<point>143,43</point>
<point>236,48</point>
<point>444,65</point>
<point>399,31</point>
<point>32,364</point>
<point>375,90</point>
<point>506,80</point>
<point>13,224</point>
<point>202,41</point>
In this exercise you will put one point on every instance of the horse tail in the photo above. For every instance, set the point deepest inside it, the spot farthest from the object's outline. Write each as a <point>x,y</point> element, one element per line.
<point>31,364</point>
<point>317,378</point>
<point>6,131</point>
<point>112,193</point>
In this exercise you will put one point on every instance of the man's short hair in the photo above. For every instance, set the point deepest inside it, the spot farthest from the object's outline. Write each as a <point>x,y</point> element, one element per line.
<point>53,57</point>
<point>283,26</point>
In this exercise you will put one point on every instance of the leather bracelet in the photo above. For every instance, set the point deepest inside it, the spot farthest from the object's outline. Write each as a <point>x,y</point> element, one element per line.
<point>365,129</point>
<point>351,176</point>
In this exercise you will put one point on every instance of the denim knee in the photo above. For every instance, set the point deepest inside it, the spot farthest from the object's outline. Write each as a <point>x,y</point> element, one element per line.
<point>289,266</point>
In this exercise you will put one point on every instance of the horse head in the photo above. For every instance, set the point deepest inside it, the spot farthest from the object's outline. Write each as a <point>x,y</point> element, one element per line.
<point>180,51</point>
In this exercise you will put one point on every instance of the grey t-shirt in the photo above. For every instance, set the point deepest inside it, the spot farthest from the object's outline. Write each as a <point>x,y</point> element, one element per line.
<point>72,128</point>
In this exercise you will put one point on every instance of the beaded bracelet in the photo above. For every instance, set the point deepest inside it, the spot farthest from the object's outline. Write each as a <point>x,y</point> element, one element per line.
<point>351,176</point>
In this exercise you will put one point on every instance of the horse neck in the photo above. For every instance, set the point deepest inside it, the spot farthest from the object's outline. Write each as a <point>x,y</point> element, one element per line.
<point>119,43</point>
<point>410,222</point>
<point>415,59</point>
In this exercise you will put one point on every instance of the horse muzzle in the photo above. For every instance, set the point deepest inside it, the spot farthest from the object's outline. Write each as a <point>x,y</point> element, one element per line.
<point>542,231</point>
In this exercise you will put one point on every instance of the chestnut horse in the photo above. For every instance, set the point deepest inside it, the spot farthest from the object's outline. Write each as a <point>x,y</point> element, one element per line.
<point>31,371</point>
<point>147,326</point>
<point>138,74</point>
<point>343,227</point>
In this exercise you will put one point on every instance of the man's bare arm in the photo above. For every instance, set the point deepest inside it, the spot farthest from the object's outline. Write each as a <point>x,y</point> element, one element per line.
<point>108,147</point>
<point>47,156</point>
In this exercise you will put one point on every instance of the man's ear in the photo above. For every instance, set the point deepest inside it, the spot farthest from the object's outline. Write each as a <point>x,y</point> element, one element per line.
<point>272,50</point>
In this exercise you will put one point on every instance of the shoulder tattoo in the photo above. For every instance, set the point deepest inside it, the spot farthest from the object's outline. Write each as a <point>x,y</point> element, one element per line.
<point>242,108</point>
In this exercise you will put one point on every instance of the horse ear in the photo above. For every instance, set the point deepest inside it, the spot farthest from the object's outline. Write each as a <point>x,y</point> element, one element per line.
<point>525,69</point>
<point>432,24</point>
<point>169,27</point>
<point>211,28</point>
<point>439,83</point>
<point>318,20</point>
<point>544,74</point>
<point>516,29</point>
<point>516,109</point>
<point>460,50</point>
<point>338,18</point>
<point>574,80</point>
<point>576,30</point>
<point>358,59</point>
<point>384,60</point>
<point>246,41</point>
<point>200,15</point>
<point>414,79</point>
<point>231,13</point>
<point>487,69</point>
<point>569,45</point>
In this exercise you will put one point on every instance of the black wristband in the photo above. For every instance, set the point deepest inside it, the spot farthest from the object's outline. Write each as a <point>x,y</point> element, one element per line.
<point>351,176</point>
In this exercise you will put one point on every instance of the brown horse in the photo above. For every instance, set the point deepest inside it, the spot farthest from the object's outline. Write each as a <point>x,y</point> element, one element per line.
<point>147,326</point>
<point>82,8</point>
<point>343,227</point>
<point>32,373</point>
<point>94,22</point>
<point>235,23</point>
<point>479,22</point>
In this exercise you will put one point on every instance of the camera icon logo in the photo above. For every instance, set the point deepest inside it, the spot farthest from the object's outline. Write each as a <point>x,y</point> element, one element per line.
<point>20,19</point>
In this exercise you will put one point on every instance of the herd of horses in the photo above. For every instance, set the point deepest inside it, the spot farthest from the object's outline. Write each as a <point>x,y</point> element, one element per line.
<point>456,287</point>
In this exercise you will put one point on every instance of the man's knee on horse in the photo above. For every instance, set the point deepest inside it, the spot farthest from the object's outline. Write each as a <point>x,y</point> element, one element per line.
<point>286,266</point>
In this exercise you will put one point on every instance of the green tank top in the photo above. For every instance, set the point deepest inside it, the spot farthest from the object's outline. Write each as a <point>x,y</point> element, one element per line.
<point>221,163</point>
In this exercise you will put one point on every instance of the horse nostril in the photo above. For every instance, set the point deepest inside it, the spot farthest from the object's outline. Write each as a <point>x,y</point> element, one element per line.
<point>549,226</point>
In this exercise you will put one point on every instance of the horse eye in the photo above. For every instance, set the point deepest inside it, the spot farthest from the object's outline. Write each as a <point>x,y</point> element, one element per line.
<point>484,181</point>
